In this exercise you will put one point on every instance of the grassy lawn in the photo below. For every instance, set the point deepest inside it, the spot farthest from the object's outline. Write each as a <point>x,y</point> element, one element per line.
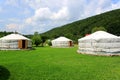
<point>46,63</point>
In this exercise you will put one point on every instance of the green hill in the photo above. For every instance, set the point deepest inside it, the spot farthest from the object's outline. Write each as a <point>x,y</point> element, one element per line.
<point>109,20</point>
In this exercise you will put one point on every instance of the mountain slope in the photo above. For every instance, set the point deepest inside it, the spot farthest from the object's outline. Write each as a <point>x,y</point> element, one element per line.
<point>110,20</point>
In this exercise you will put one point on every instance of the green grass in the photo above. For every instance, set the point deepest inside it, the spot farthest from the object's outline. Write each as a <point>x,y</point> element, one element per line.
<point>46,63</point>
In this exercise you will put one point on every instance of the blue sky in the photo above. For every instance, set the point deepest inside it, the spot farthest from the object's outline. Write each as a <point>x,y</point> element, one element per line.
<point>28,16</point>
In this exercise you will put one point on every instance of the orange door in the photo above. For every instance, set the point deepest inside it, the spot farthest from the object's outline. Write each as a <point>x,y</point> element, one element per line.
<point>20,44</point>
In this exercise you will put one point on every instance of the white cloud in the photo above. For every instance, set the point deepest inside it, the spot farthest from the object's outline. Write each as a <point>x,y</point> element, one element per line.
<point>53,4</point>
<point>116,6</point>
<point>35,4</point>
<point>95,7</point>
<point>12,2</point>
<point>44,19</point>
<point>62,14</point>
<point>11,26</point>
<point>42,14</point>
<point>14,27</point>
<point>45,14</point>
<point>28,20</point>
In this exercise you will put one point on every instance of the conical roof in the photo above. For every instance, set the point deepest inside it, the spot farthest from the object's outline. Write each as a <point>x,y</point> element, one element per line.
<point>99,35</point>
<point>14,37</point>
<point>62,39</point>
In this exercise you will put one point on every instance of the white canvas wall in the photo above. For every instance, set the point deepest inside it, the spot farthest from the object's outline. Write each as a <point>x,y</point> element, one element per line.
<point>60,44</point>
<point>103,45</point>
<point>29,44</point>
<point>8,44</point>
<point>109,45</point>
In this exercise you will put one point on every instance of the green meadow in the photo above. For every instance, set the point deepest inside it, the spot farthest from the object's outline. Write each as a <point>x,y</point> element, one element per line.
<point>46,63</point>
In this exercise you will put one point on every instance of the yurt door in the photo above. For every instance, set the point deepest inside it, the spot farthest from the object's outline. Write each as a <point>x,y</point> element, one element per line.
<point>22,44</point>
<point>70,43</point>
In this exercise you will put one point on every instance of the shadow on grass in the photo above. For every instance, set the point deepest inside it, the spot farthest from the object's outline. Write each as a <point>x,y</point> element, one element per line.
<point>4,73</point>
<point>34,47</point>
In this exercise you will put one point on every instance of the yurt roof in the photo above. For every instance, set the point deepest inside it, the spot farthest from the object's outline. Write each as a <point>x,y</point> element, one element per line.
<point>99,35</point>
<point>14,37</point>
<point>62,39</point>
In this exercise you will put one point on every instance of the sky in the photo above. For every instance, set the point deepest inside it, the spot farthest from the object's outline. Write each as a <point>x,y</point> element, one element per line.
<point>29,16</point>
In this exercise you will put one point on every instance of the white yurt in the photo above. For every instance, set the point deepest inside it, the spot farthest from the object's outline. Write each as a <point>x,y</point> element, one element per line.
<point>62,42</point>
<point>14,42</point>
<point>99,43</point>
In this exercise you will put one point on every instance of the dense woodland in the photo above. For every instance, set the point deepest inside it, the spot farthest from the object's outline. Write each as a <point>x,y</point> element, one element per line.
<point>4,33</point>
<point>109,20</point>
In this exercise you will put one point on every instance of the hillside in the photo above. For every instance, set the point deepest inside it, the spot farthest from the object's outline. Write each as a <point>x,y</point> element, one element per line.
<point>110,20</point>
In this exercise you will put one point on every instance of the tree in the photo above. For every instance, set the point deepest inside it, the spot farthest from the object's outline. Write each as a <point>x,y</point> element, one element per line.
<point>49,42</point>
<point>44,38</point>
<point>98,29</point>
<point>36,39</point>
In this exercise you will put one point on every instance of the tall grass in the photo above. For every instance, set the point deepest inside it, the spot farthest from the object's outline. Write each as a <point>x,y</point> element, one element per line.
<point>46,63</point>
